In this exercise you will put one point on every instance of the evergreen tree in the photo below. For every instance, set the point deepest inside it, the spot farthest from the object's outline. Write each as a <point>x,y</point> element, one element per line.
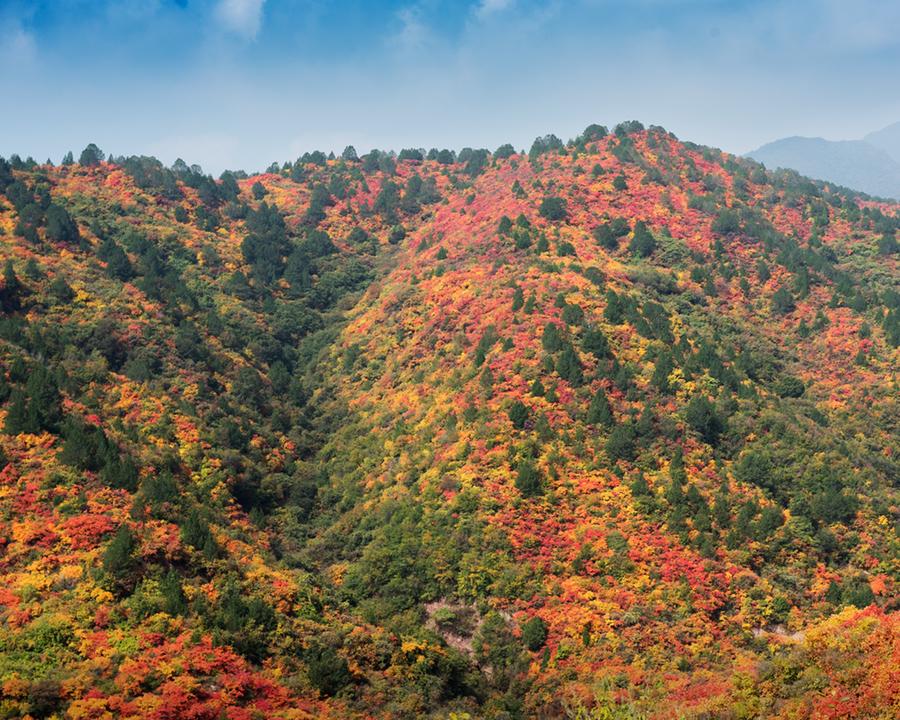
<point>259,190</point>
<point>534,633</point>
<point>518,299</point>
<point>174,600</point>
<point>61,291</point>
<point>642,243</point>
<point>595,342</point>
<point>91,155</point>
<point>328,672</point>
<point>60,226</point>
<point>569,366</point>
<point>701,415</point>
<point>519,414</point>
<point>551,340</point>
<point>621,442</point>
<point>599,411</point>
<point>12,291</point>
<point>783,301</point>
<point>17,414</point>
<point>553,208</point>
<point>528,479</point>
<point>661,372</point>
<point>119,561</point>
<point>38,408</point>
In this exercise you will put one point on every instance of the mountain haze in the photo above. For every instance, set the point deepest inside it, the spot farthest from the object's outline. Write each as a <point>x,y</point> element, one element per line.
<point>863,165</point>
<point>887,139</point>
<point>605,430</point>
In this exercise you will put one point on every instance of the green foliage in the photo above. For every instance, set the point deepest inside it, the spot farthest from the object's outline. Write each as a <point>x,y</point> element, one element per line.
<point>243,621</point>
<point>496,646</point>
<point>620,445</point>
<point>529,480</point>
<point>36,408</point>
<point>595,342</point>
<point>568,366</point>
<point>553,209</point>
<point>727,222</point>
<point>783,301</point>
<point>12,292</point>
<point>328,672</point>
<point>119,561</point>
<point>60,226</point>
<point>599,411</point>
<point>546,144</point>
<point>518,414</point>
<point>703,418</point>
<point>642,243</point>
<point>91,155</point>
<point>534,633</point>
<point>755,467</point>
<point>790,387</point>
<point>60,291</point>
<point>552,339</point>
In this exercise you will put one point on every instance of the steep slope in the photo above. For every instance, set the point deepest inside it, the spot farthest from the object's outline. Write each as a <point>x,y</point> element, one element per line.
<point>604,431</point>
<point>858,164</point>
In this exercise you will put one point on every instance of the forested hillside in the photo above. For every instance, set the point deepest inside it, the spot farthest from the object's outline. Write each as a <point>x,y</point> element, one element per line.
<point>608,429</point>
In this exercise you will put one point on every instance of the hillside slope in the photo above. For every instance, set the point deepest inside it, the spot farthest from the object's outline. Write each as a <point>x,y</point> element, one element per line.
<point>608,430</point>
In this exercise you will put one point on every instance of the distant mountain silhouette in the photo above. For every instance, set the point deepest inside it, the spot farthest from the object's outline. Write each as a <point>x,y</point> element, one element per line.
<point>868,165</point>
<point>887,139</point>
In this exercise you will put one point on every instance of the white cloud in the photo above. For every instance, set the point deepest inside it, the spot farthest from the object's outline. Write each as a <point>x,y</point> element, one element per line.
<point>414,33</point>
<point>242,17</point>
<point>17,45</point>
<point>485,8</point>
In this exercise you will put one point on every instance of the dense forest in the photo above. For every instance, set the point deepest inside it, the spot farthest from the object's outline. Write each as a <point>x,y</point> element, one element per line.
<point>603,430</point>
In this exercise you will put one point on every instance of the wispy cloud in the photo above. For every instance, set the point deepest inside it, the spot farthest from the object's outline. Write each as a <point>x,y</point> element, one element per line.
<point>414,31</point>
<point>242,17</point>
<point>486,8</point>
<point>17,45</point>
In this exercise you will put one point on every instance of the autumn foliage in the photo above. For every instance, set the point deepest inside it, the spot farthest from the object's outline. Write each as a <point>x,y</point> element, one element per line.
<point>603,430</point>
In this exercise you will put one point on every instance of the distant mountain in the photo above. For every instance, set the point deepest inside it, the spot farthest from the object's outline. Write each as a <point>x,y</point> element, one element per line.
<point>887,139</point>
<point>867,165</point>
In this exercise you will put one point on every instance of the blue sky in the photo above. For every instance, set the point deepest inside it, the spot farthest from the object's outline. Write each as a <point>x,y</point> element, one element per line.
<point>241,83</point>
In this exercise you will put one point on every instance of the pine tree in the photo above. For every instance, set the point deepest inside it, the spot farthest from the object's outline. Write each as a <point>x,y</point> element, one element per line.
<point>17,415</point>
<point>642,243</point>
<point>528,479</point>
<point>174,600</point>
<point>569,366</point>
<point>551,339</point>
<point>534,633</point>
<point>519,414</point>
<point>12,290</point>
<point>599,411</point>
<point>518,299</point>
<point>702,417</point>
<point>595,342</point>
<point>119,561</point>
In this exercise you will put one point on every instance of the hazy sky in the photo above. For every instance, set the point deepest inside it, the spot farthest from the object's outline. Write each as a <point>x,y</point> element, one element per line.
<point>240,83</point>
